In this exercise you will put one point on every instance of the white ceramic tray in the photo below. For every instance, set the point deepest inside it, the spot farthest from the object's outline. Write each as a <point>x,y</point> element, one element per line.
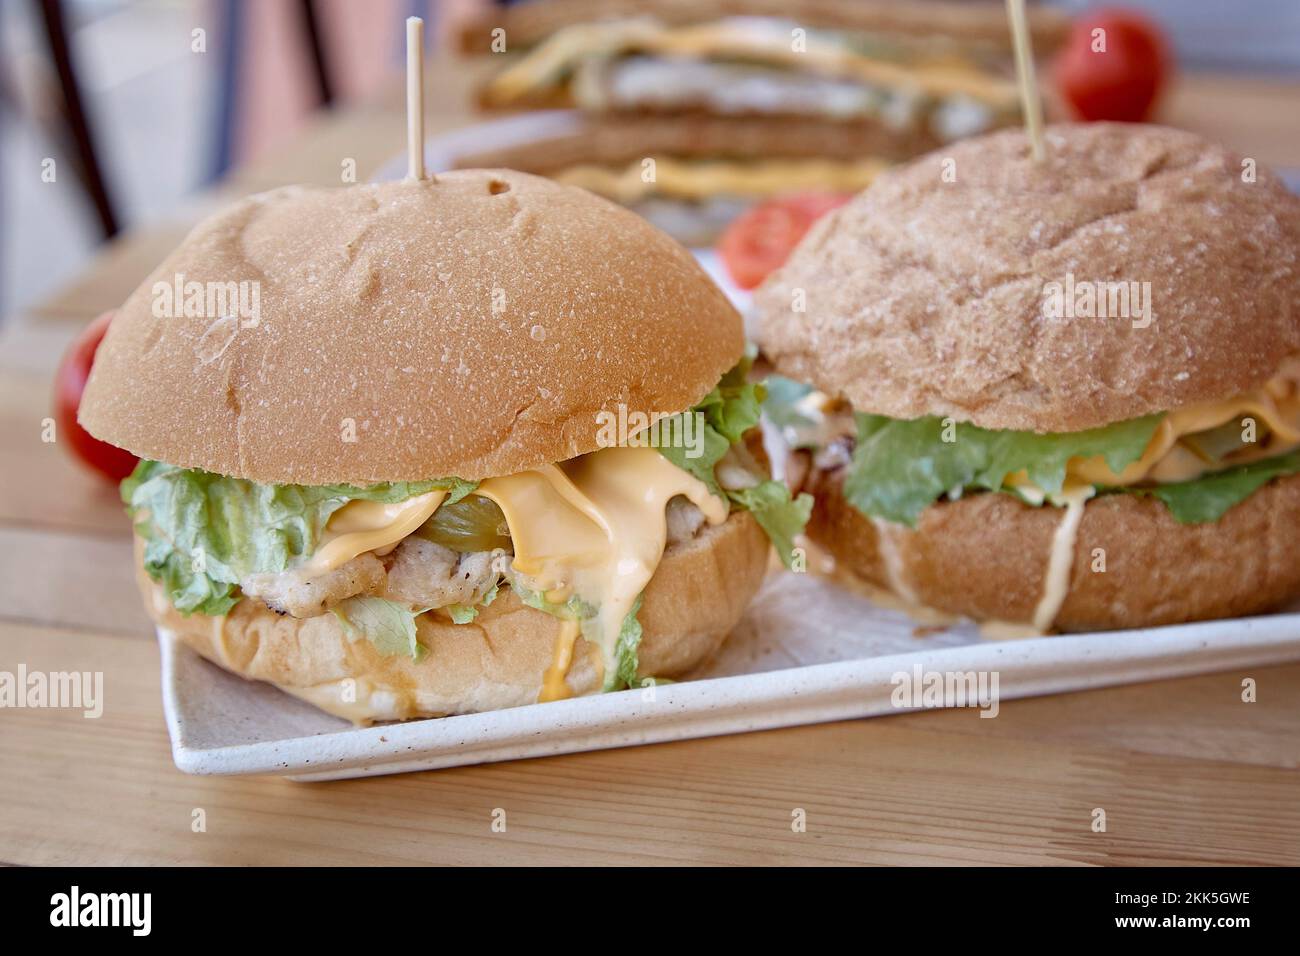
<point>806,652</point>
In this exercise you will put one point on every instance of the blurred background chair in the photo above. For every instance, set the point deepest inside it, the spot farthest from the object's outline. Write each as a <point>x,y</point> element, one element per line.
<point>140,102</point>
<point>78,138</point>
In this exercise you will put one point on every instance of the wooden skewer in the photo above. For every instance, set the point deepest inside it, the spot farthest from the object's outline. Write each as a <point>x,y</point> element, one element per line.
<point>415,98</point>
<point>1030,101</point>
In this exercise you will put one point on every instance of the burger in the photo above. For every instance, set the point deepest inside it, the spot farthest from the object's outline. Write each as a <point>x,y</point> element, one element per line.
<point>691,176</point>
<point>437,447</point>
<point>1052,396</point>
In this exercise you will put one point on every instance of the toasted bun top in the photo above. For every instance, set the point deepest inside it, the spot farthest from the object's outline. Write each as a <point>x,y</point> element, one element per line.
<point>934,297</point>
<point>471,326</point>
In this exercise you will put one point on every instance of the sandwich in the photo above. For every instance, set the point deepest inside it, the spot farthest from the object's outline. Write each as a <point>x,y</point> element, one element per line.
<point>482,441</point>
<point>692,176</point>
<point>1051,397</point>
<point>810,95</point>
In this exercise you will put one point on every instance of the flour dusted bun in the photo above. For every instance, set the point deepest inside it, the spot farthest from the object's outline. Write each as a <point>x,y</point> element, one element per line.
<point>469,326</point>
<point>693,601</point>
<point>926,296</point>
<point>985,556</point>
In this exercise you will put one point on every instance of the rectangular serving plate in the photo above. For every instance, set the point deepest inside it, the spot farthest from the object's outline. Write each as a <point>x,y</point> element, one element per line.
<point>806,652</point>
<point>778,670</point>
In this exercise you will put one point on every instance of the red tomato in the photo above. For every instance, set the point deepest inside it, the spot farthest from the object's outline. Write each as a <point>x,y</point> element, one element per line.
<point>759,241</point>
<point>69,382</point>
<point>1117,74</point>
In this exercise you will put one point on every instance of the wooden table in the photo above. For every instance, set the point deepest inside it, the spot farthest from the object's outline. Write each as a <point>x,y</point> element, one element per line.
<point>1186,772</point>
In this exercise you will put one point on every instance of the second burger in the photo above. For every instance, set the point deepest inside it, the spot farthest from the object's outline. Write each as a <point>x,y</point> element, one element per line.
<point>1060,395</point>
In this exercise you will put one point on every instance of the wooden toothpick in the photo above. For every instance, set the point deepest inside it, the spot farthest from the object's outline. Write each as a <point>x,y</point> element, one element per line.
<point>415,98</point>
<point>1030,102</point>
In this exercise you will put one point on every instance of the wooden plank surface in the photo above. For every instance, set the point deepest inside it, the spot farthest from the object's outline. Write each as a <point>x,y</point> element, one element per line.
<point>39,487</point>
<point>944,787</point>
<point>1185,770</point>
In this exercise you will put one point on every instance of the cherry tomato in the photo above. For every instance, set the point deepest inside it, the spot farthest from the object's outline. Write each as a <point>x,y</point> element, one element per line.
<point>758,242</point>
<point>1114,74</point>
<point>69,382</point>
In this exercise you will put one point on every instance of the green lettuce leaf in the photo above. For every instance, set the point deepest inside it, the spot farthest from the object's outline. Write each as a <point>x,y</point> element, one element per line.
<point>465,613</point>
<point>779,516</point>
<point>702,466</point>
<point>388,625</point>
<point>623,674</point>
<point>729,411</point>
<point>461,613</point>
<point>204,532</point>
<point>574,609</point>
<point>1209,497</point>
<point>900,467</point>
<point>734,405</point>
<point>189,590</point>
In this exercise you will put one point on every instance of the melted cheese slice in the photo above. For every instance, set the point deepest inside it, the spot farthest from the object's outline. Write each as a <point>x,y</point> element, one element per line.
<point>553,684</point>
<point>699,180</point>
<point>361,526</point>
<point>593,528</point>
<point>1276,405</point>
<point>747,39</point>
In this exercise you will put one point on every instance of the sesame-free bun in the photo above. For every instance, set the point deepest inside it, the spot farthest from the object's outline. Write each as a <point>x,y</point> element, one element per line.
<point>469,326</point>
<point>695,598</point>
<point>926,296</point>
<point>985,556</point>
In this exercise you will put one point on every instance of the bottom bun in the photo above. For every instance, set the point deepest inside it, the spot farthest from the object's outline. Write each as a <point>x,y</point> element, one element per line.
<point>695,598</point>
<point>985,556</point>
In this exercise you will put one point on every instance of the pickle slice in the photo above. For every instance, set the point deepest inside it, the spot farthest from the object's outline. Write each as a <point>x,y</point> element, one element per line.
<point>474,523</point>
<point>1219,444</point>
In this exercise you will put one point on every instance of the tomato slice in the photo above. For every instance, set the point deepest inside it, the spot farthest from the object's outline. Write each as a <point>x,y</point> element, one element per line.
<point>760,240</point>
<point>69,382</point>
